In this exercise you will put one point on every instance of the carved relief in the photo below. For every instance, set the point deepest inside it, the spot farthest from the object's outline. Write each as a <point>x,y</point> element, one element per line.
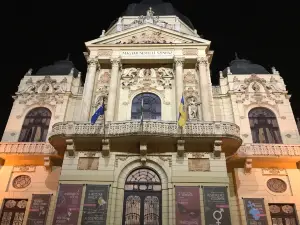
<point>107,52</point>
<point>129,77</point>
<point>164,77</point>
<point>273,171</point>
<point>190,51</point>
<point>277,185</point>
<point>190,78</point>
<point>24,169</point>
<point>21,181</point>
<point>257,90</point>
<point>102,89</point>
<point>46,90</point>
<point>155,78</point>
<point>199,165</point>
<point>105,78</point>
<point>149,37</point>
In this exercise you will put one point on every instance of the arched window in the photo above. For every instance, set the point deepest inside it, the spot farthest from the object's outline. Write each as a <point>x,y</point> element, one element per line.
<point>147,103</point>
<point>142,198</point>
<point>264,126</point>
<point>36,125</point>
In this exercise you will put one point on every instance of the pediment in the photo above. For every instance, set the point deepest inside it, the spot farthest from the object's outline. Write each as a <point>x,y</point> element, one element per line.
<point>148,34</point>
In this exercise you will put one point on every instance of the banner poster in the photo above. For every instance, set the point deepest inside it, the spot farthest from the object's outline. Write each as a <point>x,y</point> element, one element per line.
<point>255,211</point>
<point>95,205</point>
<point>187,205</point>
<point>39,209</point>
<point>68,204</point>
<point>216,206</point>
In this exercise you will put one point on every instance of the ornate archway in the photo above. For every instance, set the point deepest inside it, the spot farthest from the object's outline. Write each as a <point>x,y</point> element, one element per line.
<point>142,198</point>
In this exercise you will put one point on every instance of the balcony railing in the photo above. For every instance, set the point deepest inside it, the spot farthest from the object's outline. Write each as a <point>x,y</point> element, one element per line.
<point>261,150</point>
<point>27,148</point>
<point>155,128</point>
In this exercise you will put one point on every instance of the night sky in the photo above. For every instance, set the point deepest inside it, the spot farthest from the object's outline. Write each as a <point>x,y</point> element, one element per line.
<point>37,33</point>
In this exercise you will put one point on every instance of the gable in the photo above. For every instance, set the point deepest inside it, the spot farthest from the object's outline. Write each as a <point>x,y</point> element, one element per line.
<point>148,34</point>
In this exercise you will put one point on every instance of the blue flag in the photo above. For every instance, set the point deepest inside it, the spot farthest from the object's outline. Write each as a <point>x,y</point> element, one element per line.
<point>98,113</point>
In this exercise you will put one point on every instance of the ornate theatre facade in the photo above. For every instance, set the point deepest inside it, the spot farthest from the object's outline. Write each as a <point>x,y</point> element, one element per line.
<point>239,150</point>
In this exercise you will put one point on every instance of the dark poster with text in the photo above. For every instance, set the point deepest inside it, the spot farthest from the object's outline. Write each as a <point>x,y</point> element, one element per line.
<point>255,211</point>
<point>216,206</point>
<point>95,205</point>
<point>39,209</point>
<point>187,206</point>
<point>68,204</point>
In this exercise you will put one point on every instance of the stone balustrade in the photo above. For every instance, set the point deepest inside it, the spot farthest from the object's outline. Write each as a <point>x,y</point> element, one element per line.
<point>155,128</point>
<point>272,150</point>
<point>27,148</point>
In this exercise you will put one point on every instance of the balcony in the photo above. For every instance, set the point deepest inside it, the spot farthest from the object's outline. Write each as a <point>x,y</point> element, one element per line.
<point>268,155</point>
<point>161,134</point>
<point>28,153</point>
<point>269,150</point>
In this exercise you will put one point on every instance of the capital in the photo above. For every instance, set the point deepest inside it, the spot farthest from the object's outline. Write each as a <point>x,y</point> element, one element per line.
<point>93,62</point>
<point>178,61</point>
<point>115,62</point>
<point>202,61</point>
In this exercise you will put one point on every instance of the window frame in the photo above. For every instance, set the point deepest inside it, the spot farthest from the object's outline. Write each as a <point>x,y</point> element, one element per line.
<point>155,109</point>
<point>36,118</point>
<point>264,119</point>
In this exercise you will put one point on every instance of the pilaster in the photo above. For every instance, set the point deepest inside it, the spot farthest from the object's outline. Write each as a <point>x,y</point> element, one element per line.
<point>178,62</point>
<point>88,89</point>
<point>202,64</point>
<point>111,103</point>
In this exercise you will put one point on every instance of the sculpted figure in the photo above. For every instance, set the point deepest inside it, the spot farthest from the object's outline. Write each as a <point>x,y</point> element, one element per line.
<point>193,108</point>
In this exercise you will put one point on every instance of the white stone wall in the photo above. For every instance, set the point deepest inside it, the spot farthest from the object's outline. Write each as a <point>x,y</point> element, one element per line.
<point>236,98</point>
<point>254,185</point>
<point>171,169</point>
<point>59,99</point>
<point>42,182</point>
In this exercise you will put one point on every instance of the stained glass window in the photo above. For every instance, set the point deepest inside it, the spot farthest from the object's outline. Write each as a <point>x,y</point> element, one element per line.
<point>142,200</point>
<point>13,212</point>
<point>264,126</point>
<point>283,214</point>
<point>35,126</point>
<point>147,103</point>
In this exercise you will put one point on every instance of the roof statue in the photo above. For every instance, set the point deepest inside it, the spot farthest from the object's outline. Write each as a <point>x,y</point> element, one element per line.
<point>150,13</point>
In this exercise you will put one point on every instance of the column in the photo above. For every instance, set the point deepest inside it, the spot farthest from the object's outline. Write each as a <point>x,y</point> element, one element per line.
<point>88,89</point>
<point>179,81</point>
<point>113,86</point>
<point>204,88</point>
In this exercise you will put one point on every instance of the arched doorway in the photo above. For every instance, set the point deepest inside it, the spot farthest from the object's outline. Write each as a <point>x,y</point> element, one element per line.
<point>142,198</point>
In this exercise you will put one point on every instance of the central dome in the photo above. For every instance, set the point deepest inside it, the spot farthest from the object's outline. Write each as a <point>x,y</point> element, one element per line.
<point>159,7</point>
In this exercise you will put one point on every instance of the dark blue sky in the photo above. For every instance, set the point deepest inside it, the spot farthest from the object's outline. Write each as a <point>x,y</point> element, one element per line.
<point>36,33</point>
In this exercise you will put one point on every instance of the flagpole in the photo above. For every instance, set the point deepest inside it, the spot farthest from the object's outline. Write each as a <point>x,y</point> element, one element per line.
<point>104,117</point>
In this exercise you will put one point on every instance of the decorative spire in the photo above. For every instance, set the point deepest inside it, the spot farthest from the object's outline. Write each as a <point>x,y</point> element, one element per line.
<point>236,55</point>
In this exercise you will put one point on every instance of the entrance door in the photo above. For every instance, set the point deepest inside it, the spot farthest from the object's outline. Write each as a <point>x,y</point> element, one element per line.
<point>142,198</point>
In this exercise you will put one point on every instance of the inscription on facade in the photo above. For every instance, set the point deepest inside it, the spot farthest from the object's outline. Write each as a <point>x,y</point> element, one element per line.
<point>156,54</point>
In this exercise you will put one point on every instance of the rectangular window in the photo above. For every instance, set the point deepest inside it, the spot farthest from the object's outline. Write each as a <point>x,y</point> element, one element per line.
<point>88,163</point>
<point>283,214</point>
<point>13,211</point>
